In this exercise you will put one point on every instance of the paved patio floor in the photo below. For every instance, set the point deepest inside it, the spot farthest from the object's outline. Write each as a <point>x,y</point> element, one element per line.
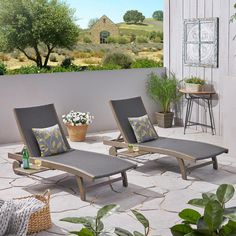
<point>156,188</point>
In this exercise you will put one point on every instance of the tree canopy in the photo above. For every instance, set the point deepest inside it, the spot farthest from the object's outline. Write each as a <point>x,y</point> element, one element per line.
<point>92,22</point>
<point>158,15</point>
<point>133,16</point>
<point>40,25</point>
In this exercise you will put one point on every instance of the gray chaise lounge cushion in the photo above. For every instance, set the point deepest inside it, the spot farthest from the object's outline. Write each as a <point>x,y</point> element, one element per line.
<point>95,165</point>
<point>197,150</point>
<point>134,107</point>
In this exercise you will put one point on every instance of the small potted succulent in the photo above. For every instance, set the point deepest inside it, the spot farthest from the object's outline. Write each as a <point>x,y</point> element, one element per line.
<point>194,84</point>
<point>77,124</point>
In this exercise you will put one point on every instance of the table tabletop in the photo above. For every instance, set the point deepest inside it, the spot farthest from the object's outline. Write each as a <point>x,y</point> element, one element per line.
<point>197,93</point>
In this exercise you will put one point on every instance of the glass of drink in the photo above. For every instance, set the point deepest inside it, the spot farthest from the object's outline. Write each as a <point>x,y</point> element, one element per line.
<point>38,163</point>
<point>135,148</point>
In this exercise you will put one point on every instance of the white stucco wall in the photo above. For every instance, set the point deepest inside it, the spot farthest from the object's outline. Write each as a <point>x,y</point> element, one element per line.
<point>82,91</point>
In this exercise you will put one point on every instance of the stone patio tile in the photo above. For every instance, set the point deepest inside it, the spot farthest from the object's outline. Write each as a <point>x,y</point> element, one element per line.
<point>156,188</point>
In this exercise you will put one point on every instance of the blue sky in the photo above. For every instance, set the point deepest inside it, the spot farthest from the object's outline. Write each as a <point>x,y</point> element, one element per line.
<point>114,9</point>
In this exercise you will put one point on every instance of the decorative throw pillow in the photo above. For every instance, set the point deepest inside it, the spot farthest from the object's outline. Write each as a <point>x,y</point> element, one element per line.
<point>50,140</point>
<point>143,129</point>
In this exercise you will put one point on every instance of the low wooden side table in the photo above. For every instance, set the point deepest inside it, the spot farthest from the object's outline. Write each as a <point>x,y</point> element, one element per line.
<point>205,96</point>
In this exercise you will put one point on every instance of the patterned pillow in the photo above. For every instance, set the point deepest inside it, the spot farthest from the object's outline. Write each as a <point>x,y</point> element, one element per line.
<point>143,128</point>
<point>50,140</point>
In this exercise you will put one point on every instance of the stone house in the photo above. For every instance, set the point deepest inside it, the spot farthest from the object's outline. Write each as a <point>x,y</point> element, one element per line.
<point>102,29</point>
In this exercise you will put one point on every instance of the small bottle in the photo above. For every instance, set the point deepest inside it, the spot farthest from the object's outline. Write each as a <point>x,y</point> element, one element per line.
<point>25,158</point>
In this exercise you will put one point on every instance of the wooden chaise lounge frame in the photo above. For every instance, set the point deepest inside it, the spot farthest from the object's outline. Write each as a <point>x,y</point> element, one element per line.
<point>182,150</point>
<point>84,165</point>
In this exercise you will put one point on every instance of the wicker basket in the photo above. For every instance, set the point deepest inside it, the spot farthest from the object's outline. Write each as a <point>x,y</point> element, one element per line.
<point>40,220</point>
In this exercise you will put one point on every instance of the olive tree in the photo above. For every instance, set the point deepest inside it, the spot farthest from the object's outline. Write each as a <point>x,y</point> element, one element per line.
<point>133,16</point>
<point>40,25</point>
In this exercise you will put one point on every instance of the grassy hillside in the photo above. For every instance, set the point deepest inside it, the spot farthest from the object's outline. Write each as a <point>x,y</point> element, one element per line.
<point>148,25</point>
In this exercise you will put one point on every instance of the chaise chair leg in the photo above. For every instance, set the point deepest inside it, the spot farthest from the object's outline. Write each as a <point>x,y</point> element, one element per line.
<point>125,179</point>
<point>215,163</point>
<point>182,168</point>
<point>82,191</point>
<point>113,151</point>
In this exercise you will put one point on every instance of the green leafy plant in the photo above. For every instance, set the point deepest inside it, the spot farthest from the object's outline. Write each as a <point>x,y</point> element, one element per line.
<point>118,58</point>
<point>3,68</point>
<point>37,24</point>
<point>142,219</point>
<point>195,80</point>
<point>145,63</point>
<point>67,62</point>
<point>93,226</point>
<point>163,89</point>
<point>216,219</point>
<point>141,39</point>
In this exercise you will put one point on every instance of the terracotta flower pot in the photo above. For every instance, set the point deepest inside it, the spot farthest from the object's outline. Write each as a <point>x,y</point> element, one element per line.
<point>77,133</point>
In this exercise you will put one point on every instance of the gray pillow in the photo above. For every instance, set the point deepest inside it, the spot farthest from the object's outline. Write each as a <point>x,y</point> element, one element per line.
<point>143,128</point>
<point>50,140</point>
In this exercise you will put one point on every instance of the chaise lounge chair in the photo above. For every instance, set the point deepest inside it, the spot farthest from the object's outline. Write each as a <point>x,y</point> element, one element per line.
<point>83,164</point>
<point>182,150</point>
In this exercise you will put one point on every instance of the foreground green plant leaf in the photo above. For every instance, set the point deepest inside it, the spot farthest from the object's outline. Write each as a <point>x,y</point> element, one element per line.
<point>88,222</point>
<point>228,229</point>
<point>225,192</point>
<point>141,218</point>
<point>136,233</point>
<point>105,210</point>
<point>181,230</point>
<point>83,232</point>
<point>213,215</point>
<point>198,202</point>
<point>190,215</point>
<point>122,232</point>
<point>209,196</point>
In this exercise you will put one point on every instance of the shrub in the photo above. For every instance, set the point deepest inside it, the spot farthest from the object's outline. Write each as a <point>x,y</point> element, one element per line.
<point>104,67</point>
<point>157,40</point>
<point>25,70</point>
<point>216,220</point>
<point>141,39</point>
<point>3,69</point>
<point>4,57</point>
<point>112,39</point>
<point>145,63</point>
<point>53,58</point>
<point>86,39</point>
<point>66,62</point>
<point>156,36</point>
<point>36,70</point>
<point>122,40</point>
<point>117,58</point>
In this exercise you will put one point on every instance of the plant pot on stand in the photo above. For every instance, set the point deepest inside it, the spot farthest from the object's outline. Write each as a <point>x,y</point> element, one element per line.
<point>77,133</point>
<point>164,120</point>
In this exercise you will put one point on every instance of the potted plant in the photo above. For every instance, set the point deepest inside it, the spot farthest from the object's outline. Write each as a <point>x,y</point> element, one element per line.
<point>77,124</point>
<point>194,84</point>
<point>164,90</point>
